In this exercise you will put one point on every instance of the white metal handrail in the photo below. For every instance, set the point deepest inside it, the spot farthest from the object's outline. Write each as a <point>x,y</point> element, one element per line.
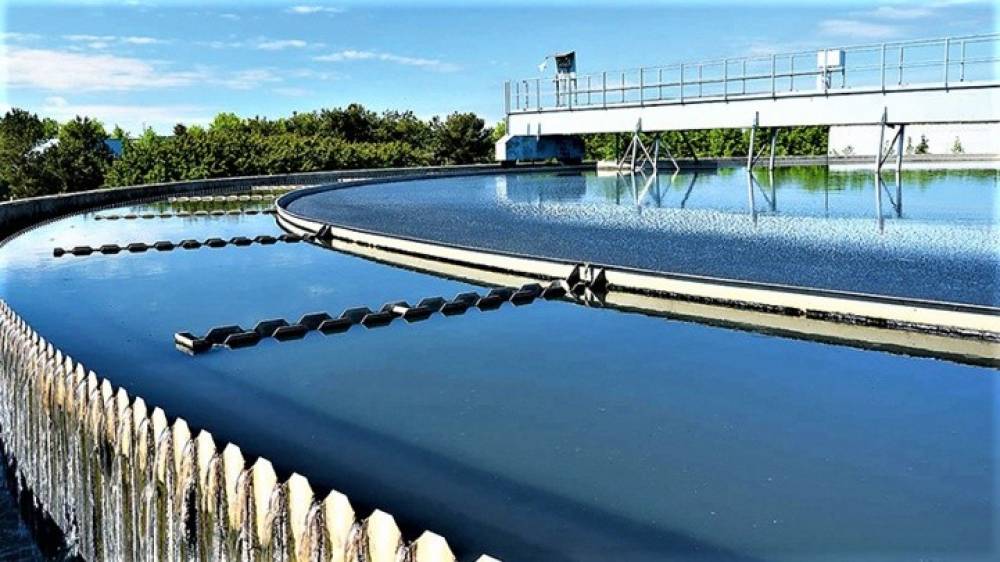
<point>931,63</point>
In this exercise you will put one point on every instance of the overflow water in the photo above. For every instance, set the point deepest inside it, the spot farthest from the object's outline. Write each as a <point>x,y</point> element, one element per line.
<point>552,431</point>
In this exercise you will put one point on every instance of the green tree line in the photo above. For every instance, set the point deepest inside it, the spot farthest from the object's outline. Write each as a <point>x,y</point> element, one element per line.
<point>39,156</point>
<point>720,143</point>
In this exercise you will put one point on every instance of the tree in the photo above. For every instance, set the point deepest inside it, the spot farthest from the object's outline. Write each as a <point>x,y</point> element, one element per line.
<point>499,130</point>
<point>923,147</point>
<point>81,158</point>
<point>24,172</point>
<point>956,147</point>
<point>180,130</point>
<point>462,139</point>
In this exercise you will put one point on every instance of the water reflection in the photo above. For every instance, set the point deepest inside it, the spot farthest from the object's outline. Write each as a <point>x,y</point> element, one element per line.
<point>809,192</point>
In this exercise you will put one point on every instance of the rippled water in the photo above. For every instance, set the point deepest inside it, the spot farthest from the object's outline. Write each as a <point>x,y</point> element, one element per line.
<point>935,235</point>
<point>544,432</point>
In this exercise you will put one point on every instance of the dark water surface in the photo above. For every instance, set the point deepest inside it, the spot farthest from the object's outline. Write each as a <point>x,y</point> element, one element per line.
<point>545,432</point>
<point>934,236</point>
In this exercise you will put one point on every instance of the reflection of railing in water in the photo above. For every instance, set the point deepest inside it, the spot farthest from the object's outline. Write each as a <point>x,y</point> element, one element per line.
<point>820,194</point>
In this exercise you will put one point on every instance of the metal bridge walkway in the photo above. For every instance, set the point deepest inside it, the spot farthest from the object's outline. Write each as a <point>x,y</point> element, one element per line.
<point>949,80</point>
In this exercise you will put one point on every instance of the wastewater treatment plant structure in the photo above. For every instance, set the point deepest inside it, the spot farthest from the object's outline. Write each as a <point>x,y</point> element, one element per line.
<point>663,359</point>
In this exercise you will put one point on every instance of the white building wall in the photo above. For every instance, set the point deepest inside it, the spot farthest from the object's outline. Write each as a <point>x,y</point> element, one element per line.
<point>861,140</point>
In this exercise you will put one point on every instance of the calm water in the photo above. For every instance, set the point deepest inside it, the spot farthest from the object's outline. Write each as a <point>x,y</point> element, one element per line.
<point>550,431</point>
<point>935,235</point>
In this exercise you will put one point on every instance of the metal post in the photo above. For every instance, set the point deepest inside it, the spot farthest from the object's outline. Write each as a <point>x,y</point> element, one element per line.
<point>900,81</point>
<point>791,73</point>
<point>682,82</point>
<point>883,67</point>
<point>623,87</point>
<point>774,142</point>
<point>506,97</point>
<point>899,150</point>
<point>604,89</point>
<point>642,86</point>
<point>743,77</point>
<point>700,94</point>
<point>725,79</point>
<point>656,152</point>
<point>659,81</point>
<point>538,93</point>
<point>881,141</point>
<point>517,94</point>
<point>947,49</point>
<point>962,74</point>
<point>753,131</point>
<point>589,91</point>
<point>773,93</point>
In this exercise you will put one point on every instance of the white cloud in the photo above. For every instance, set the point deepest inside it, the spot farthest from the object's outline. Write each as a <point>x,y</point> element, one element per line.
<point>856,29</point>
<point>305,10</point>
<point>901,12</point>
<point>352,55</point>
<point>228,16</point>
<point>130,117</point>
<point>17,37</point>
<point>65,71</point>
<point>248,79</point>
<point>89,38</point>
<point>281,44</point>
<point>134,40</point>
<point>98,42</point>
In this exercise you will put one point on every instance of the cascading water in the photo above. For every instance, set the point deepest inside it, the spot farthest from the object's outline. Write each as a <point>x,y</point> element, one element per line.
<point>124,484</point>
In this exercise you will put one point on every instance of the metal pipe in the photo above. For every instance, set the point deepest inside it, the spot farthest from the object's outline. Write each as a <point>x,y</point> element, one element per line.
<point>623,87</point>
<point>538,93</point>
<point>588,91</point>
<point>659,81</point>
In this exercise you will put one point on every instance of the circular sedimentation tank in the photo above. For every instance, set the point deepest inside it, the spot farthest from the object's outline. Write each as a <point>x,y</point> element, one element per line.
<point>462,356</point>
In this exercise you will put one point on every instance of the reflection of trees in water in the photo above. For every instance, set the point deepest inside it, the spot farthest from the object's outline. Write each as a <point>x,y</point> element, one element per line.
<point>819,178</point>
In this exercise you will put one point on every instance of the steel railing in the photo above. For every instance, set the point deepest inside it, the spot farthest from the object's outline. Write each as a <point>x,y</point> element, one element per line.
<point>927,63</point>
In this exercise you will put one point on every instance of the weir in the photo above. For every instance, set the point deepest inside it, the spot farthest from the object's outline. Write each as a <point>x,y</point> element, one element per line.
<point>125,483</point>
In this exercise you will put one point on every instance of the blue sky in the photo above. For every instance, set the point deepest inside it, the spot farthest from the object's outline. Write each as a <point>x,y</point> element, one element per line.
<point>158,63</point>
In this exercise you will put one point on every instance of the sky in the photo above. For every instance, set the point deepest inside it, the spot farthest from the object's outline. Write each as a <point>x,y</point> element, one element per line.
<point>153,64</point>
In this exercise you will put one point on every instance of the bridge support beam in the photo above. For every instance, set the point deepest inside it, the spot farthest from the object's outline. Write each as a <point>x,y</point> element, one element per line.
<point>568,149</point>
<point>772,141</point>
<point>885,149</point>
